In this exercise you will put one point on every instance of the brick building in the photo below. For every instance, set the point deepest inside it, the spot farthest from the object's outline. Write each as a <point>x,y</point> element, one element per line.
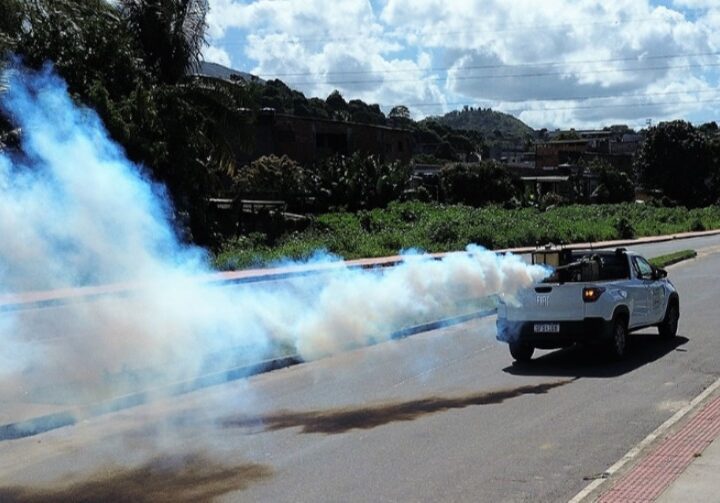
<point>309,139</point>
<point>557,152</point>
<point>617,150</point>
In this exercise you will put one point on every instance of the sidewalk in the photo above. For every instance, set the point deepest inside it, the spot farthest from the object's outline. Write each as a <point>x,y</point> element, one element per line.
<point>682,467</point>
<point>700,481</point>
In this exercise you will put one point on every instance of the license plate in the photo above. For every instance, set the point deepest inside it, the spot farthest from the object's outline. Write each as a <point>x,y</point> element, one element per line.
<point>547,328</point>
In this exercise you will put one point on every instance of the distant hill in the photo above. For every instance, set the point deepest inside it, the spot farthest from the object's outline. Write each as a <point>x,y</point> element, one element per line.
<point>492,125</point>
<point>223,72</point>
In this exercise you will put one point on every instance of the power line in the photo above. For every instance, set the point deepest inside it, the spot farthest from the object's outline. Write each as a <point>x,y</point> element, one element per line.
<point>566,98</point>
<point>402,34</point>
<point>518,109</point>
<point>498,66</point>
<point>507,76</point>
<point>625,105</point>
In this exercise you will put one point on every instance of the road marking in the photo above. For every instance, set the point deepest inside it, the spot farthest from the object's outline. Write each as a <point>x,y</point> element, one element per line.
<point>635,451</point>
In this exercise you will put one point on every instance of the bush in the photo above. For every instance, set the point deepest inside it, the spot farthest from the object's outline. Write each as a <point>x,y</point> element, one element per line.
<point>478,184</point>
<point>360,181</point>
<point>614,186</point>
<point>551,200</point>
<point>437,228</point>
<point>624,228</point>
<point>273,176</point>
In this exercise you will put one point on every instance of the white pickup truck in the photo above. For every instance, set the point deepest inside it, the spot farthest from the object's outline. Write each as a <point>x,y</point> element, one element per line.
<point>590,296</point>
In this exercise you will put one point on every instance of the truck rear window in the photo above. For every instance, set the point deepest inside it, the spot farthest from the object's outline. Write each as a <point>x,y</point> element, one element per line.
<point>588,267</point>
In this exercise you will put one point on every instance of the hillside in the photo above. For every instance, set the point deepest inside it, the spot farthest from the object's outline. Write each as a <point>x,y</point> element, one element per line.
<point>222,72</point>
<point>487,122</point>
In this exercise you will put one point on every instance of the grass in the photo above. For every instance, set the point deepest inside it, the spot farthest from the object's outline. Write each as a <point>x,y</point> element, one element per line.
<point>437,228</point>
<point>673,258</point>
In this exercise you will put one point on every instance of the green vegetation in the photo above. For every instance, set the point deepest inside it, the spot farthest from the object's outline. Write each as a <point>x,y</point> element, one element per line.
<point>351,183</point>
<point>614,186</point>
<point>437,228</point>
<point>488,122</point>
<point>681,162</point>
<point>133,61</point>
<point>673,258</point>
<point>479,184</point>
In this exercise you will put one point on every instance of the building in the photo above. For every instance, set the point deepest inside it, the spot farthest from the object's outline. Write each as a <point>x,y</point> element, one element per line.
<point>310,139</point>
<point>617,149</point>
<point>557,152</point>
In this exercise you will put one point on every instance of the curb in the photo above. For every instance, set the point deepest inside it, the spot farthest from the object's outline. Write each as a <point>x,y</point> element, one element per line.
<point>593,488</point>
<point>39,300</point>
<point>70,417</point>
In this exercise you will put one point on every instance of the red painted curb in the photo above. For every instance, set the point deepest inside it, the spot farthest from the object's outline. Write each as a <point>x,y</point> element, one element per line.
<point>647,480</point>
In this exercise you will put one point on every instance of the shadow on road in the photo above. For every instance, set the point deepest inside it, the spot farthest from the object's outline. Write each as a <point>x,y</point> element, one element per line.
<point>341,420</point>
<point>183,480</point>
<point>595,361</point>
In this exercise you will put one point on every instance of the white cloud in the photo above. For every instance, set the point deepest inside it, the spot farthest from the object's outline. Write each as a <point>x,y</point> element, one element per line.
<point>217,55</point>
<point>513,55</point>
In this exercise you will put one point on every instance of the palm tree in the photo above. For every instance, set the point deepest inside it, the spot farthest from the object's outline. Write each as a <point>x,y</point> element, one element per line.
<point>171,34</point>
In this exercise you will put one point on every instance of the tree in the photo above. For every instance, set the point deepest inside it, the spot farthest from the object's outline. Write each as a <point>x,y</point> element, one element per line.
<point>85,41</point>
<point>10,23</point>
<point>278,177</point>
<point>10,28</point>
<point>461,144</point>
<point>129,60</point>
<point>568,135</point>
<point>335,102</point>
<point>614,186</point>
<point>360,181</point>
<point>171,34</point>
<point>709,128</point>
<point>366,114</point>
<point>400,115</point>
<point>478,184</point>
<point>676,159</point>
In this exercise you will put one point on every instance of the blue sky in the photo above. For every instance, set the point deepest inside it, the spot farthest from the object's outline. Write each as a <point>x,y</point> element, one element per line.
<point>554,64</point>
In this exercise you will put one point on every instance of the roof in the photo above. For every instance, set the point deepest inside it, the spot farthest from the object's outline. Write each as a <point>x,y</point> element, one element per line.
<point>545,178</point>
<point>218,71</point>
<point>559,142</point>
<point>345,123</point>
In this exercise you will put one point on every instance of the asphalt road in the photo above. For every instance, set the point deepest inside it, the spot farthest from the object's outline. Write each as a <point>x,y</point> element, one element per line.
<point>443,415</point>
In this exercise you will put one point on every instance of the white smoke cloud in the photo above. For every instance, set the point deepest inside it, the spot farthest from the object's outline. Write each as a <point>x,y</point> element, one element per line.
<point>75,212</point>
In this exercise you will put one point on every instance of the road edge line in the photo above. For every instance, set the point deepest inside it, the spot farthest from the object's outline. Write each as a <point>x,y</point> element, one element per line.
<point>635,451</point>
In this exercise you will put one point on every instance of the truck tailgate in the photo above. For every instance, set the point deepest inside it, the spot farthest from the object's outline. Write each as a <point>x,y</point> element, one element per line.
<point>548,302</point>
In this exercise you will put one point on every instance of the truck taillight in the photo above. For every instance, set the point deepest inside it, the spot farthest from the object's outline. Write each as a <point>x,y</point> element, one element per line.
<point>592,294</point>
